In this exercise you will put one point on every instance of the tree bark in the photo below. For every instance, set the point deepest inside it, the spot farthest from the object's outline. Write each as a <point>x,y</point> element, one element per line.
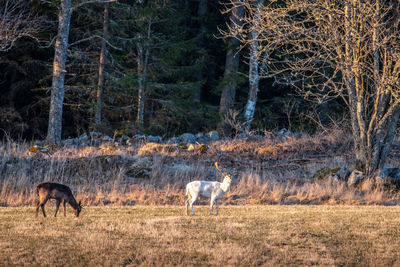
<point>231,66</point>
<point>254,75</point>
<point>201,12</point>
<point>100,82</point>
<point>57,89</point>
<point>140,67</point>
<point>143,61</point>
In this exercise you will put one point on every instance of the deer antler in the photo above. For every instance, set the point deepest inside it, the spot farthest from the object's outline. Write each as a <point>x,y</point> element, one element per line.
<point>216,166</point>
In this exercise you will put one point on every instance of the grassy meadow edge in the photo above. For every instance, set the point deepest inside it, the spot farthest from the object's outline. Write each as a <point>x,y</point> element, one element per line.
<point>264,171</point>
<point>269,235</point>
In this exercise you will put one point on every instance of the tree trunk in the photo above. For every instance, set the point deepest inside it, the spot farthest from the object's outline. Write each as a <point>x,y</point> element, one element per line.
<point>254,76</point>
<point>231,66</point>
<point>140,67</point>
<point>201,12</point>
<point>100,82</point>
<point>143,60</point>
<point>374,124</point>
<point>57,89</point>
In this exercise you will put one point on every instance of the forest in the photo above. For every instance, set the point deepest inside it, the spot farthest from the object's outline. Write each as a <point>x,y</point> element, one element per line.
<point>132,111</point>
<point>140,67</point>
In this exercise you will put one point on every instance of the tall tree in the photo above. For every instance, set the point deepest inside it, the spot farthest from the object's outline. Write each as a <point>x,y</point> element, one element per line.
<point>60,59</point>
<point>65,10</point>
<point>102,62</point>
<point>231,63</point>
<point>201,14</point>
<point>247,31</point>
<point>143,51</point>
<point>254,75</point>
<point>342,48</point>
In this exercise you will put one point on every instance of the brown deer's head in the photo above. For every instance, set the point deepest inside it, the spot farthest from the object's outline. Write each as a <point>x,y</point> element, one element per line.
<point>78,210</point>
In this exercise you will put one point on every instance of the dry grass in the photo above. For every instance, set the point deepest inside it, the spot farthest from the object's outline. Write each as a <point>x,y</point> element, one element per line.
<point>240,236</point>
<point>270,171</point>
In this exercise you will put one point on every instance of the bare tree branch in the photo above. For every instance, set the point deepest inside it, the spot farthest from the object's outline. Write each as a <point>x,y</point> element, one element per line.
<point>17,21</point>
<point>93,37</point>
<point>91,2</point>
<point>330,48</point>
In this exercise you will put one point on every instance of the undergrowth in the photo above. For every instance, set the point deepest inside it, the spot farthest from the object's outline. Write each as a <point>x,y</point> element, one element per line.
<point>265,171</point>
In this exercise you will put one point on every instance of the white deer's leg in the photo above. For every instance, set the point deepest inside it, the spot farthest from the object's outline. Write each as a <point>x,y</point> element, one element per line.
<point>211,205</point>
<point>191,207</point>
<point>216,202</point>
<point>193,199</point>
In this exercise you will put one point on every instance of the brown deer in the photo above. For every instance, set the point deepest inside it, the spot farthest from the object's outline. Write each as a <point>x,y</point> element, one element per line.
<point>59,192</point>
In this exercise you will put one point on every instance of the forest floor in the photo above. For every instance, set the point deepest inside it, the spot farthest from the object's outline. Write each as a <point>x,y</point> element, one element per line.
<point>252,235</point>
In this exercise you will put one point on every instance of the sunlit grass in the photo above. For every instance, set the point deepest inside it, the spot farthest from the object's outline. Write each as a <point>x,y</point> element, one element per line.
<point>241,235</point>
<point>265,171</point>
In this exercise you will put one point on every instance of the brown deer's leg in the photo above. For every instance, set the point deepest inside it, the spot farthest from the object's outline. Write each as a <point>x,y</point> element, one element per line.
<point>57,206</point>
<point>37,208</point>
<point>42,203</point>
<point>64,204</point>
<point>44,213</point>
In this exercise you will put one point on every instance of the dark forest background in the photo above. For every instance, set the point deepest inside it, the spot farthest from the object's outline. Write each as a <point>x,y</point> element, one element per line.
<point>185,74</point>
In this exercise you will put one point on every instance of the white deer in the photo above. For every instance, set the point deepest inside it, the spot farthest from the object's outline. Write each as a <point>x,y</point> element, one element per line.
<point>211,189</point>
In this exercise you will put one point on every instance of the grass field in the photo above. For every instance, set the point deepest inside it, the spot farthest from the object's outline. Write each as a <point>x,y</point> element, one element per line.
<point>241,236</point>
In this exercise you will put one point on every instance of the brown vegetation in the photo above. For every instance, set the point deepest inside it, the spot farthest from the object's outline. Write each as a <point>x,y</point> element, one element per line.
<point>292,235</point>
<point>264,171</point>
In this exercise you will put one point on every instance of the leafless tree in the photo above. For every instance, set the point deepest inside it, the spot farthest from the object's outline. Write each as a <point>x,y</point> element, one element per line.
<point>248,30</point>
<point>17,20</point>
<point>345,48</point>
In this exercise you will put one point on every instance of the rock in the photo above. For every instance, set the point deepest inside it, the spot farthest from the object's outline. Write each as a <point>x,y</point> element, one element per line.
<point>139,137</point>
<point>96,142</point>
<point>139,168</point>
<point>199,135</point>
<point>241,136</point>
<point>106,138</point>
<point>123,139</point>
<point>213,135</point>
<point>187,138</point>
<point>390,177</point>
<point>180,168</point>
<point>336,174</point>
<point>284,133</point>
<point>154,139</point>
<point>355,178</point>
<point>70,142</point>
<point>173,140</point>
<point>202,138</point>
<point>95,134</point>
<point>391,173</point>
<point>84,140</point>
<point>139,173</point>
<point>343,174</point>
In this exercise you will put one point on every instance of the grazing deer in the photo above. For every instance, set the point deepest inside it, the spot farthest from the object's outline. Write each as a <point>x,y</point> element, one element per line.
<point>214,190</point>
<point>59,192</point>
